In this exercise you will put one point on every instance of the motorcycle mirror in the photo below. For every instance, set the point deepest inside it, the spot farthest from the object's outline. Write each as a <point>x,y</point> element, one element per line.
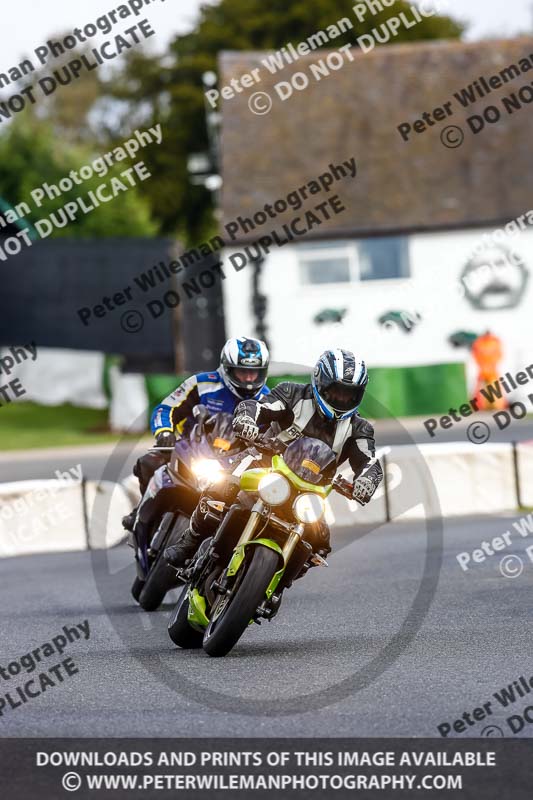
<point>200,413</point>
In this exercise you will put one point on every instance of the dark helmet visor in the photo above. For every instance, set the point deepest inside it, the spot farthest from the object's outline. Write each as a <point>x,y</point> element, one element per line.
<point>247,377</point>
<point>342,396</point>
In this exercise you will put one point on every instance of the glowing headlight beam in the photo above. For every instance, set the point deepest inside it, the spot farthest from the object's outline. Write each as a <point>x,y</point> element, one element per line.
<point>207,469</point>
<point>274,489</point>
<point>309,508</point>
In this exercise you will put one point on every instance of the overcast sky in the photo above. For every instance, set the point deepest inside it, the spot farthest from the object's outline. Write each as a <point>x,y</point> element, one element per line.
<point>26,24</point>
<point>493,17</point>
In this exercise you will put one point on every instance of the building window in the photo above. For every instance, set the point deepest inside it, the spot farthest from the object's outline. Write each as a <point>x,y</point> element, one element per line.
<point>383,258</point>
<point>334,264</point>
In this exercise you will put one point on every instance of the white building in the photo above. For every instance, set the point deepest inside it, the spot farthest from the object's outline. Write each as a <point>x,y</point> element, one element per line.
<point>419,254</point>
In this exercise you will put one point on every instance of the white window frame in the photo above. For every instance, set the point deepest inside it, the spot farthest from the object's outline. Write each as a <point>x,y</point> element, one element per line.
<point>350,251</point>
<point>347,251</point>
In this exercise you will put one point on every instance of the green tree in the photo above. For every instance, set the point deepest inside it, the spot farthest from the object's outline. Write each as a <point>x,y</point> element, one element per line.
<point>68,109</point>
<point>169,90</point>
<point>31,155</point>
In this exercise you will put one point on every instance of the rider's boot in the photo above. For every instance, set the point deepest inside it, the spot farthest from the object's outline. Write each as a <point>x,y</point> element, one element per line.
<point>128,522</point>
<point>184,550</point>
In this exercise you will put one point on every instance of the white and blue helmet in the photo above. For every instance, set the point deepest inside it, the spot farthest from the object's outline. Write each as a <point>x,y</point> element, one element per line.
<point>339,382</point>
<point>244,366</point>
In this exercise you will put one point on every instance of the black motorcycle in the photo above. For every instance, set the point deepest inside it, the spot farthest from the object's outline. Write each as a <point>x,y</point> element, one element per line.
<point>196,461</point>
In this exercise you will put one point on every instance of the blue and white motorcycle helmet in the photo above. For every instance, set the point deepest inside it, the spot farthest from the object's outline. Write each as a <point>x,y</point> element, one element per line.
<point>339,382</point>
<point>244,366</point>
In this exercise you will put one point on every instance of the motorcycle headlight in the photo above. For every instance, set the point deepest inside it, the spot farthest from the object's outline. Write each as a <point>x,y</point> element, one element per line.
<point>207,470</point>
<point>309,508</point>
<point>274,489</point>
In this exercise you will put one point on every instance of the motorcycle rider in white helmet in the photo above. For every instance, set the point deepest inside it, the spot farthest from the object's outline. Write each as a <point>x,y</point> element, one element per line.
<point>325,409</point>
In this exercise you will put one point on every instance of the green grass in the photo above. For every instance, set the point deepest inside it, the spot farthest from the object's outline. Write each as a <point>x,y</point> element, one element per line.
<point>28,425</point>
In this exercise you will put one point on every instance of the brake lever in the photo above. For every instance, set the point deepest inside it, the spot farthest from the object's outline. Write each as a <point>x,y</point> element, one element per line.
<point>162,449</point>
<point>344,487</point>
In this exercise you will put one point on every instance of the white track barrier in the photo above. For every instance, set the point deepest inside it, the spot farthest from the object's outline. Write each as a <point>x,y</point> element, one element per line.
<point>129,401</point>
<point>58,516</point>
<point>107,503</point>
<point>525,472</point>
<point>41,516</point>
<point>63,376</point>
<point>429,481</point>
<point>457,480</point>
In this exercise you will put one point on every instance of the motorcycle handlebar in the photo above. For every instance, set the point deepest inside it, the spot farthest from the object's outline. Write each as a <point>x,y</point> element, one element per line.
<point>267,445</point>
<point>340,484</point>
<point>344,487</point>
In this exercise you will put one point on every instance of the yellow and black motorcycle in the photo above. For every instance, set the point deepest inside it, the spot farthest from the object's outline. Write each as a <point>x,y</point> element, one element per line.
<point>269,529</point>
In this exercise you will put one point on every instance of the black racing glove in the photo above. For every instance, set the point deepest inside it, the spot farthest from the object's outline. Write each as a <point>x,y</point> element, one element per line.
<point>363,490</point>
<point>366,484</point>
<point>165,439</point>
<point>245,427</point>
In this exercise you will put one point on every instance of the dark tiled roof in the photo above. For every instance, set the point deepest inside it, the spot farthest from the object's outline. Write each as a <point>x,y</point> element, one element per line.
<point>418,185</point>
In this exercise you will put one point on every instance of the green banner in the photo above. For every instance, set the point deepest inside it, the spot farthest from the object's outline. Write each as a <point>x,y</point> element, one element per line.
<point>404,391</point>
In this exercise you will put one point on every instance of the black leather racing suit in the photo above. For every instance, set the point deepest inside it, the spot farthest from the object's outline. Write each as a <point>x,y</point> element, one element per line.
<point>292,406</point>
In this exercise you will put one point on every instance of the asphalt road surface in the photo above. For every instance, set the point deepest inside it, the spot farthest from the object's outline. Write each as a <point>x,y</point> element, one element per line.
<point>343,658</point>
<point>28,465</point>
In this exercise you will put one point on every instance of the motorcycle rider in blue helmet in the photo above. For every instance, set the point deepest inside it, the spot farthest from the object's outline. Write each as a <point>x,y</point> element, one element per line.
<point>241,376</point>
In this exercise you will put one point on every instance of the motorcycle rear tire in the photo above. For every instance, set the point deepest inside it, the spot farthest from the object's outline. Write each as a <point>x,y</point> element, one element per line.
<point>162,577</point>
<point>179,630</point>
<point>137,588</point>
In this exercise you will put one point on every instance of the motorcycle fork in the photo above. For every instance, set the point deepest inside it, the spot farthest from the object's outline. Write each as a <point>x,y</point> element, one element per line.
<point>254,520</point>
<point>221,530</point>
<point>293,539</point>
<point>250,528</point>
<point>270,605</point>
<point>292,542</point>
